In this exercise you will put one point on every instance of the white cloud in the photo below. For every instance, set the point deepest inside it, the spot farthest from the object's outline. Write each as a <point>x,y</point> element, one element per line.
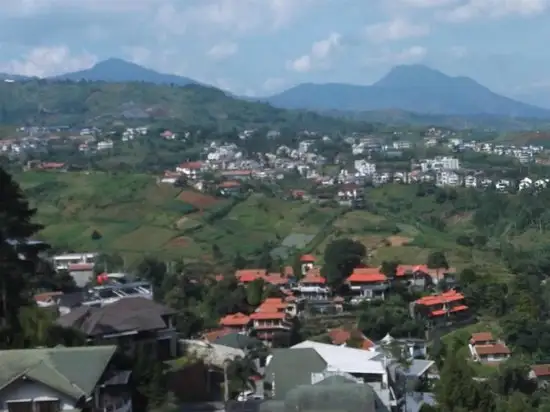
<point>319,55</point>
<point>396,29</point>
<point>223,50</point>
<point>472,9</point>
<point>48,61</point>
<point>410,55</point>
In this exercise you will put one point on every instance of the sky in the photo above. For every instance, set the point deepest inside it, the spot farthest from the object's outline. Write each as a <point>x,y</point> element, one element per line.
<point>261,47</point>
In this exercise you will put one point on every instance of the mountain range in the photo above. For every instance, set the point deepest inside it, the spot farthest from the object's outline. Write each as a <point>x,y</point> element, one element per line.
<point>411,88</point>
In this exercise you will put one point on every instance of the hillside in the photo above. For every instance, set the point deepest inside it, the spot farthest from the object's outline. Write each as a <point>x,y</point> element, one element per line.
<point>456,122</point>
<point>135,217</point>
<point>414,88</point>
<point>85,103</point>
<point>120,71</point>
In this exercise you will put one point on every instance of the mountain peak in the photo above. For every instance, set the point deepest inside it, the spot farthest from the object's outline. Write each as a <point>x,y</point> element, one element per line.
<point>115,62</point>
<point>413,75</point>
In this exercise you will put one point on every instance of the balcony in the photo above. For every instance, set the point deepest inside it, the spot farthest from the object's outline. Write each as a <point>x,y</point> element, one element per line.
<point>313,289</point>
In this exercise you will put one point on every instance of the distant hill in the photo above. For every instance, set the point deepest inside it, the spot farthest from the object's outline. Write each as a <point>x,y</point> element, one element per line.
<point>413,88</point>
<point>478,121</point>
<point>54,102</point>
<point>14,77</point>
<point>119,71</point>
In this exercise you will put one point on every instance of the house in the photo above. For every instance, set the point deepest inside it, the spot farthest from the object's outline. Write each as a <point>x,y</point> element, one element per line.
<point>341,336</point>
<point>271,317</point>
<point>445,307</point>
<point>62,262</point>
<point>486,349</point>
<point>190,169</point>
<point>63,379</point>
<point>313,286</point>
<point>246,276</point>
<point>306,263</point>
<point>319,361</point>
<point>133,324</point>
<point>540,373</point>
<point>236,322</point>
<point>368,283</point>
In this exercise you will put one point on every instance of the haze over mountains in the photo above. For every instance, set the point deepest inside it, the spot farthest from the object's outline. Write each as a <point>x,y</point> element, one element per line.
<point>414,88</point>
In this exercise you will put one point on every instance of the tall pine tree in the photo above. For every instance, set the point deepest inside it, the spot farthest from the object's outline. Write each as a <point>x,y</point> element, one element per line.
<point>17,258</point>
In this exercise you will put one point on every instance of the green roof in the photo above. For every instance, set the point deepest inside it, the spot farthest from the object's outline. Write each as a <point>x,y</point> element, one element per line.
<point>72,371</point>
<point>289,368</point>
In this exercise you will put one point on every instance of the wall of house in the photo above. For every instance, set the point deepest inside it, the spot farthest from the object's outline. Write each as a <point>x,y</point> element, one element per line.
<point>27,390</point>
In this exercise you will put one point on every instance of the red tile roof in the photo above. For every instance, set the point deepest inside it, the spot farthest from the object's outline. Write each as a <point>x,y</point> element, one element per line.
<point>340,336</point>
<point>481,337</point>
<point>46,296</point>
<point>446,297</point>
<point>276,279</point>
<point>235,319</point>
<point>367,275</point>
<point>541,370</point>
<point>313,277</point>
<point>229,184</point>
<point>307,259</point>
<point>250,275</point>
<point>459,308</point>
<point>212,335</point>
<point>191,165</point>
<point>81,266</point>
<point>439,312</point>
<point>267,315</point>
<point>496,349</point>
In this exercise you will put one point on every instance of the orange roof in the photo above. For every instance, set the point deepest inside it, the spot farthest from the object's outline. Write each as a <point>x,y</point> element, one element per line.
<point>235,319</point>
<point>459,308</point>
<point>313,277</point>
<point>250,275</point>
<point>191,165</point>
<point>307,259</point>
<point>229,184</point>
<point>46,296</point>
<point>267,315</point>
<point>496,349</point>
<point>367,275</point>
<point>212,335</point>
<point>447,297</point>
<point>340,336</point>
<point>289,271</point>
<point>276,279</point>
<point>81,266</point>
<point>439,312</point>
<point>481,337</point>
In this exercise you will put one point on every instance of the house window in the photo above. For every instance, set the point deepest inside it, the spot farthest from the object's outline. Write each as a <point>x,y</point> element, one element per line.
<point>20,406</point>
<point>47,406</point>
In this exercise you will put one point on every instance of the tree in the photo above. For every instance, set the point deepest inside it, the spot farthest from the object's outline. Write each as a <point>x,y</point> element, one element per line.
<point>154,271</point>
<point>438,261</point>
<point>341,257</point>
<point>239,262</point>
<point>255,292</point>
<point>389,268</point>
<point>96,235</point>
<point>17,258</point>
<point>216,252</point>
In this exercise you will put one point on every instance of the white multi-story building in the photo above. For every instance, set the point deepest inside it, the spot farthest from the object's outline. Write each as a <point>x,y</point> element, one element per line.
<point>62,262</point>
<point>365,168</point>
<point>440,163</point>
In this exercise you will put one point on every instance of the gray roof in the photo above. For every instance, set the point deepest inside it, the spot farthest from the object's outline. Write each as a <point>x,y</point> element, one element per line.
<point>350,397</point>
<point>126,315</point>
<point>72,371</point>
<point>289,368</point>
<point>238,341</point>
<point>418,367</point>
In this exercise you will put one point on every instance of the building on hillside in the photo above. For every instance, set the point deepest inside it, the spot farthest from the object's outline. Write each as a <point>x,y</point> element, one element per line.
<point>271,317</point>
<point>343,336</point>
<point>540,373</point>
<point>191,170</point>
<point>134,324</point>
<point>306,263</point>
<point>63,379</point>
<point>246,276</point>
<point>313,286</point>
<point>62,262</point>
<point>82,273</point>
<point>443,308</point>
<point>236,322</point>
<point>368,283</point>
<point>484,348</point>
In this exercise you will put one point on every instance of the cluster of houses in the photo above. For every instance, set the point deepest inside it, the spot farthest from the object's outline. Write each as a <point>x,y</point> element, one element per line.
<point>525,154</point>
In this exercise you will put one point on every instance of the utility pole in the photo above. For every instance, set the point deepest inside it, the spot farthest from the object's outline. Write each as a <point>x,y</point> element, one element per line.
<point>225,383</point>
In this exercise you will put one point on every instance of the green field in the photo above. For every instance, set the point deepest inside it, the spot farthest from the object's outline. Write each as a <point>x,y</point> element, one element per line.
<point>135,216</point>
